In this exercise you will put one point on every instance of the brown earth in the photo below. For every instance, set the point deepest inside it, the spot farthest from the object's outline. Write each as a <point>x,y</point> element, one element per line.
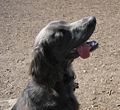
<point>98,76</point>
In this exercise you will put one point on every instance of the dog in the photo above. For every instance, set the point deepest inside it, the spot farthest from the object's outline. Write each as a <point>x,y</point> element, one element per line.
<point>56,46</point>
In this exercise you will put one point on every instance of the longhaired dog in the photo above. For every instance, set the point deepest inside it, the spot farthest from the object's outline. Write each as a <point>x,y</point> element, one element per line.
<point>56,46</point>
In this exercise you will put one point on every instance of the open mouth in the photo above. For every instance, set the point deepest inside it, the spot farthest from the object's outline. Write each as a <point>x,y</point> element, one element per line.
<point>84,50</point>
<point>82,31</point>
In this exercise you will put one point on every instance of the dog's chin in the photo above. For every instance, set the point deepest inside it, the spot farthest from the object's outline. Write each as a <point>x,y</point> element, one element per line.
<point>82,51</point>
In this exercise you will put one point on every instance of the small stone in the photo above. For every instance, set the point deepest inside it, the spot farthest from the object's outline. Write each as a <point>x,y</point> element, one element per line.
<point>94,98</point>
<point>17,60</point>
<point>8,70</point>
<point>110,92</point>
<point>103,91</point>
<point>96,69</point>
<point>84,71</point>
<point>118,105</point>
<point>94,105</point>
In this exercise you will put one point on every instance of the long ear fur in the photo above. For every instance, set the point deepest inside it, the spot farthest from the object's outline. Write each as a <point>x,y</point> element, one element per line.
<point>41,68</point>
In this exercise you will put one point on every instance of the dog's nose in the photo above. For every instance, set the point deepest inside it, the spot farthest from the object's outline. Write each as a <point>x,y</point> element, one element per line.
<point>92,19</point>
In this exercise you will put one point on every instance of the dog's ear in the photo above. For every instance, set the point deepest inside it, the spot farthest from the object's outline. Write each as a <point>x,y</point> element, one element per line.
<point>41,68</point>
<point>36,62</point>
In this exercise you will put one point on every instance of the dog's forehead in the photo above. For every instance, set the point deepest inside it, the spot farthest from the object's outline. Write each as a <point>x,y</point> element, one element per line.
<point>50,29</point>
<point>56,25</point>
<point>59,22</point>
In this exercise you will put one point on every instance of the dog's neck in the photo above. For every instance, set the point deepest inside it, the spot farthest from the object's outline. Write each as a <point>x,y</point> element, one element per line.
<point>53,74</point>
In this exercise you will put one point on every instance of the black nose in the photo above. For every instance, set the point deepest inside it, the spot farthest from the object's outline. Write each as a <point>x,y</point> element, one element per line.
<point>92,20</point>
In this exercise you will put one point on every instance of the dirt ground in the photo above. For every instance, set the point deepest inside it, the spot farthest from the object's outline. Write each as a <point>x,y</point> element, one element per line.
<point>98,76</point>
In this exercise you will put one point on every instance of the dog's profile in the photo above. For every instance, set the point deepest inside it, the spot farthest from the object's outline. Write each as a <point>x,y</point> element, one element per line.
<point>52,85</point>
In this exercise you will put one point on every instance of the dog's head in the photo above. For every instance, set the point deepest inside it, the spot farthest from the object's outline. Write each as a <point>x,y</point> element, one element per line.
<point>60,42</point>
<point>59,39</point>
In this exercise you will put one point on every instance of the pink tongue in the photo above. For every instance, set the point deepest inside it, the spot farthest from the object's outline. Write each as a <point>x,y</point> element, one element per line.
<point>84,51</point>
